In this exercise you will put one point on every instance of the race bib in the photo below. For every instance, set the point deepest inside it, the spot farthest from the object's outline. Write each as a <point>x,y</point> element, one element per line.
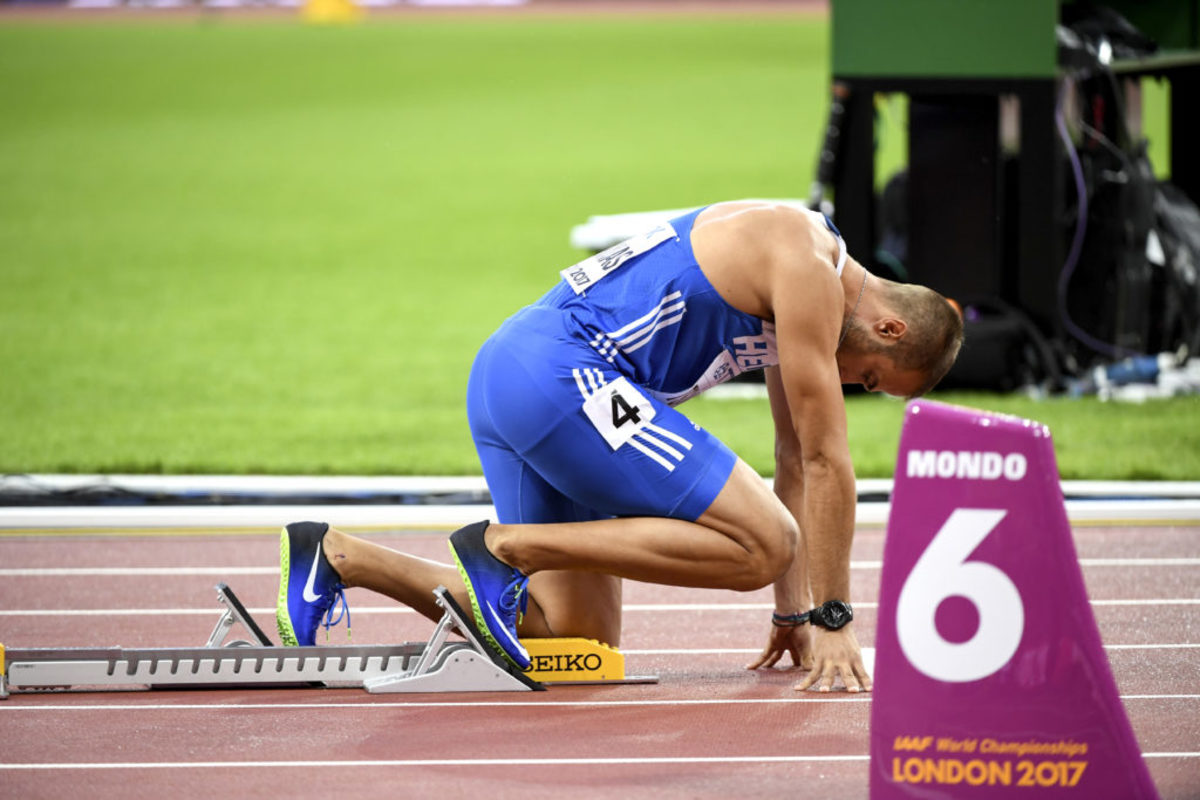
<point>581,276</point>
<point>723,368</point>
<point>618,410</point>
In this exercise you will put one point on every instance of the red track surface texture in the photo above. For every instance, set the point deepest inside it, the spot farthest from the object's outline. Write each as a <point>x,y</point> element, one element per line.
<point>709,728</point>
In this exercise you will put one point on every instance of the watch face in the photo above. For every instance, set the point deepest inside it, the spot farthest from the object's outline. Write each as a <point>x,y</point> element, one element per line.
<point>835,614</point>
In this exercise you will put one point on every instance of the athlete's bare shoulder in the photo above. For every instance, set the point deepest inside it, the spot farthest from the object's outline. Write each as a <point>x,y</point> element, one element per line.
<point>749,248</point>
<point>757,216</point>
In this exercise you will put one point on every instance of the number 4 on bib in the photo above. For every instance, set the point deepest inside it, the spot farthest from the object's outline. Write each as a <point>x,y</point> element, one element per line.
<point>618,411</point>
<point>990,676</point>
<point>622,412</point>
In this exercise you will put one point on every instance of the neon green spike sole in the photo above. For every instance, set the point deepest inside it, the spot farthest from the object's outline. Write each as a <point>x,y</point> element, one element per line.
<point>478,612</point>
<point>283,621</point>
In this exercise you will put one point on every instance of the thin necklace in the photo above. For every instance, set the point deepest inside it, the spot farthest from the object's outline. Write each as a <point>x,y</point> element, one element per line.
<point>854,310</point>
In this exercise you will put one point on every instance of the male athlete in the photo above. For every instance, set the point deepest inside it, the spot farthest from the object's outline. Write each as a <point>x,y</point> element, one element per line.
<point>596,477</point>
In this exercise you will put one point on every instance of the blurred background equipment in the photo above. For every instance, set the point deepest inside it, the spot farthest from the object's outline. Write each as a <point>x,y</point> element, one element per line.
<point>1027,194</point>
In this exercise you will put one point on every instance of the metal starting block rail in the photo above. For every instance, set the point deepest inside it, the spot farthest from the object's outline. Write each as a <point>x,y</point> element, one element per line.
<point>438,665</point>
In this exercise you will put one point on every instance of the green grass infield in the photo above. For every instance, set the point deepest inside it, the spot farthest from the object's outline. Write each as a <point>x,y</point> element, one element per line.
<point>272,247</point>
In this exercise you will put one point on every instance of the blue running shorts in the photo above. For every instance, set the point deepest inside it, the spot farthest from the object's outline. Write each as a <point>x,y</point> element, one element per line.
<point>563,437</point>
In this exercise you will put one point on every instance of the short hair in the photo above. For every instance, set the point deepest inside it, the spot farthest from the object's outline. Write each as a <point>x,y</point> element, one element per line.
<point>934,334</point>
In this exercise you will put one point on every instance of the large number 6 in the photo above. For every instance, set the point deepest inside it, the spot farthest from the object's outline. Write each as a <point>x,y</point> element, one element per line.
<point>943,571</point>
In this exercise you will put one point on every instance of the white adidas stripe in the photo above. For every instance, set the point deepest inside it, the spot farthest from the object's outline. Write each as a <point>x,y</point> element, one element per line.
<point>605,347</point>
<point>638,333</point>
<point>679,440</point>
<point>651,325</point>
<point>594,381</point>
<point>643,320</point>
<point>665,323</point>
<point>575,373</point>
<point>649,438</point>
<point>646,451</point>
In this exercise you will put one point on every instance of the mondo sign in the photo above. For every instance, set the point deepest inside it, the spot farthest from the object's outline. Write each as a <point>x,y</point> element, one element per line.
<point>990,676</point>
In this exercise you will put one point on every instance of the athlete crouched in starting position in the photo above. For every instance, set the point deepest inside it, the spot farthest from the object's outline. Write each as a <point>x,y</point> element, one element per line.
<point>596,477</point>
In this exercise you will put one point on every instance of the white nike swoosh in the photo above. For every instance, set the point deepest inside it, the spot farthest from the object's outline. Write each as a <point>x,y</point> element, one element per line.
<point>503,627</point>
<point>309,595</point>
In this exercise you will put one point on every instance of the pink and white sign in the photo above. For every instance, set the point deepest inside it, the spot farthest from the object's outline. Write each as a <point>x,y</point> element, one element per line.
<point>990,677</point>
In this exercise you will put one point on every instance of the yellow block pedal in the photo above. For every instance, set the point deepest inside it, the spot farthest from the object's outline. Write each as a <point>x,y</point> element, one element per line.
<point>573,661</point>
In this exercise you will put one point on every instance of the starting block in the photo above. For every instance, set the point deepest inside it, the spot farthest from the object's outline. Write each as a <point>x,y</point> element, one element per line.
<point>439,665</point>
<point>991,678</point>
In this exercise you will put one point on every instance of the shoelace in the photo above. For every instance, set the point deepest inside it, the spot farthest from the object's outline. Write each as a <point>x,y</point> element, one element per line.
<point>514,593</point>
<point>329,621</point>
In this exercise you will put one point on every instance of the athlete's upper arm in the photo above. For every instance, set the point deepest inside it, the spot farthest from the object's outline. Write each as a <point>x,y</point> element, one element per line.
<point>787,446</point>
<point>808,303</point>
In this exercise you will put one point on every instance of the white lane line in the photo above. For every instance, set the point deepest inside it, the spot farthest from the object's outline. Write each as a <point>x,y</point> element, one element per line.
<point>694,651</point>
<point>798,698</point>
<point>166,612</point>
<point>131,572</point>
<point>1139,562</point>
<point>1086,562</point>
<point>1171,601</point>
<point>476,762</point>
<point>722,651</point>
<point>443,762</point>
<point>173,520</point>
<point>633,607</point>
<point>396,609</point>
<point>144,572</point>
<point>1178,646</point>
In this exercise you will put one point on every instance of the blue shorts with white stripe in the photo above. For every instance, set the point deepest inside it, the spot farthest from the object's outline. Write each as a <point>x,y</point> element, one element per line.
<point>563,436</point>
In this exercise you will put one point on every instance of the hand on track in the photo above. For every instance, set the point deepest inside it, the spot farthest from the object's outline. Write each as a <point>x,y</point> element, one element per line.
<point>795,640</point>
<point>836,653</point>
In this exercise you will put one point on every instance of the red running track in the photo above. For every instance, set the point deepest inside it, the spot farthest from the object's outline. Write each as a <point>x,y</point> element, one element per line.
<point>709,728</point>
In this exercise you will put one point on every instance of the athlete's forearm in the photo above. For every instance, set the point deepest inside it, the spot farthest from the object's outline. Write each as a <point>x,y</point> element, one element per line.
<point>828,521</point>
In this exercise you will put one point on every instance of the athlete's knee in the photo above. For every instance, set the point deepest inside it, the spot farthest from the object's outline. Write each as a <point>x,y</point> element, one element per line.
<point>756,519</point>
<point>769,542</point>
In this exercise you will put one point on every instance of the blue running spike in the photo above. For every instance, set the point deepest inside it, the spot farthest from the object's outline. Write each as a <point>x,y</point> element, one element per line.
<point>310,590</point>
<point>498,592</point>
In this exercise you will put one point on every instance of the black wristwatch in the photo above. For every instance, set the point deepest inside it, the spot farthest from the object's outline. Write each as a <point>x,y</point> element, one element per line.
<point>831,615</point>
